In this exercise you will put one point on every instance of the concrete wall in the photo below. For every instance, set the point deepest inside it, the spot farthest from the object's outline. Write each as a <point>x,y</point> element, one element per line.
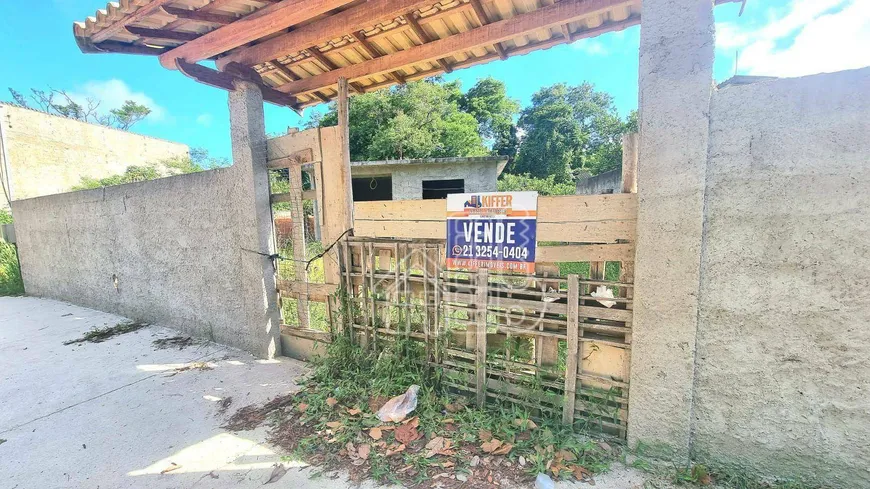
<point>50,154</point>
<point>783,371</point>
<point>604,183</point>
<point>182,250</point>
<point>408,179</point>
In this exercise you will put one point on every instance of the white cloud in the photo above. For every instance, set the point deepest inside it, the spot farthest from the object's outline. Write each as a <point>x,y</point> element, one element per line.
<point>113,93</point>
<point>204,120</point>
<point>592,47</point>
<point>807,37</point>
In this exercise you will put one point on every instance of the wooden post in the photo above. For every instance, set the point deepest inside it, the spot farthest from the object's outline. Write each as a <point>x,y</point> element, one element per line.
<point>573,350</point>
<point>344,139</point>
<point>630,144</point>
<point>480,348</point>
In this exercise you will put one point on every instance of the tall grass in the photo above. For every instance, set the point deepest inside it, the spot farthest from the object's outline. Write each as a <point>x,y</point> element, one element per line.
<point>10,273</point>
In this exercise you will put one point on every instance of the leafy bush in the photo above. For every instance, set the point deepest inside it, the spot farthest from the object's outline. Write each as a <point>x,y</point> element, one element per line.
<point>5,217</point>
<point>544,186</point>
<point>10,273</point>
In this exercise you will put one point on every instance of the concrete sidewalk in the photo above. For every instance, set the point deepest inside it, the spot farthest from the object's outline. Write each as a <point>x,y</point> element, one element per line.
<point>115,414</point>
<point>118,413</point>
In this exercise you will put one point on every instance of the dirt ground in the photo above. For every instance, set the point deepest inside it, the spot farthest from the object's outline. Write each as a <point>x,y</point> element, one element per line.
<point>127,412</point>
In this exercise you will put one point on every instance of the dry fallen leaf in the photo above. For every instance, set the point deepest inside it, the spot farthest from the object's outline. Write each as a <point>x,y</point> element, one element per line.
<point>448,420</point>
<point>566,455</point>
<point>407,433</point>
<point>277,473</point>
<point>363,451</point>
<point>526,424</point>
<point>334,424</point>
<point>331,402</point>
<point>491,446</point>
<point>353,412</point>
<point>503,450</point>
<point>172,466</point>
<point>434,446</point>
<point>454,408</point>
<point>395,450</point>
<point>302,407</point>
<point>705,480</point>
<point>484,435</point>
<point>580,472</point>
<point>376,433</point>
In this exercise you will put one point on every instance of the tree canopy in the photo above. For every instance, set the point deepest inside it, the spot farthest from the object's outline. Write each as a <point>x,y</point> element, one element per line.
<point>567,129</point>
<point>428,119</point>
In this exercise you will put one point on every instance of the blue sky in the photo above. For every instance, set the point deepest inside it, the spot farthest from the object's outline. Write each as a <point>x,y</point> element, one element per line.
<point>773,37</point>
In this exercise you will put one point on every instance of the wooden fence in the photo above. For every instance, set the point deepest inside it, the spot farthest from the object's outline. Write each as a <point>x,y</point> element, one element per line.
<point>543,341</point>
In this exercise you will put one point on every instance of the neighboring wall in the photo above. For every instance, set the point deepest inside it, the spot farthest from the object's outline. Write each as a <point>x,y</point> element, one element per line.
<point>480,174</point>
<point>186,251</point>
<point>783,355</point>
<point>604,183</point>
<point>50,154</point>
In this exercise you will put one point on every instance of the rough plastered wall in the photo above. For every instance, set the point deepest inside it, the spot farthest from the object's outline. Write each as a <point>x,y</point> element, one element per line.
<point>676,81</point>
<point>181,250</point>
<point>783,371</point>
<point>50,154</point>
<point>408,179</point>
<point>604,183</point>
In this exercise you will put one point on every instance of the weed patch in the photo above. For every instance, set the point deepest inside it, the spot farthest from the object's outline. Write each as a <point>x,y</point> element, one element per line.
<point>332,423</point>
<point>11,283</point>
<point>99,335</point>
<point>180,342</point>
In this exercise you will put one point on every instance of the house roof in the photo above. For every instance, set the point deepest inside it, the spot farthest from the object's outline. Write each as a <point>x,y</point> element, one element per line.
<point>501,161</point>
<point>300,48</point>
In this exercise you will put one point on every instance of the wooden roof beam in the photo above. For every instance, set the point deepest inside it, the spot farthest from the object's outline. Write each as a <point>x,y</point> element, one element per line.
<point>351,20</point>
<point>484,20</point>
<point>266,21</point>
<point>224,81</point>
<point>425,39</point>
<point>551,16</point>
<point>201,15</point>
<point>329,65</point>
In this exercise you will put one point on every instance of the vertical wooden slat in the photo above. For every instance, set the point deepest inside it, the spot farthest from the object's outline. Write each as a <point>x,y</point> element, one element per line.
<point>480,347</point>
<point>348,291</point>
<point>573,350</point>
<point>372,323</point>
<point>630,144</point>
<point>298,237</point>
<point>438,346</point>
<point>406,295</point>
<point>427,265</point>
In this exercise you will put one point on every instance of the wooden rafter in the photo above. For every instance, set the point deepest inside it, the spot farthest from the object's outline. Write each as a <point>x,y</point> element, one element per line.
<point>124,48</point>
<point>425,39</point>
<point>351,20</point>
<point>550,16</point>
<point>264,22</point>
<point>118,26</point>
<point>225,81</point>
<point>484,19</point>
<point>202,15</point>
<point>162,34</point>
<point>373,53</point>
<point>327,63</point>
<point>293,77</point>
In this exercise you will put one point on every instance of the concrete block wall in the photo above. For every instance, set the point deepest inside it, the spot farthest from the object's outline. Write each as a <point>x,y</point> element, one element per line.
<point>49,154</point>
<point>408,179</point>
<point>185,250</point>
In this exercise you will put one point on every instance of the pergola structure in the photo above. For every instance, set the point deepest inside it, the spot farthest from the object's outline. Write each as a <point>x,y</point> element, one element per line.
<point>296,50</point>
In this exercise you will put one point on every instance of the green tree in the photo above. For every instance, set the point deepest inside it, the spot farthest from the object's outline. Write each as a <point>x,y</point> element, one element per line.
<point>421,119</point>
<point>544,186</point>
<point>568,129</point>
<point>129,114</point>
<point>495,112</point>
<point>59,102</point>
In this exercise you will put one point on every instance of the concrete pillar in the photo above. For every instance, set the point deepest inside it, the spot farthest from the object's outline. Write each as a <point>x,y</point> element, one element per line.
<point>676,82</point>
<point>261,328</point>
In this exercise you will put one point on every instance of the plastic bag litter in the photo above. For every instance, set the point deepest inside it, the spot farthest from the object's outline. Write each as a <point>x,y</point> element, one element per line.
<point>399,407</point>
<point>543,481</point>
<point>603,291</point>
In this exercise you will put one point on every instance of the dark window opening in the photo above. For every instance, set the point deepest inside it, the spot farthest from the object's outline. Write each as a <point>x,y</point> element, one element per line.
<point>366,189</point>
<point>440,189</point>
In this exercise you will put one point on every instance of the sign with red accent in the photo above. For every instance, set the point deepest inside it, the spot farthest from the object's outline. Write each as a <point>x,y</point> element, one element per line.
<point>495,230</point>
